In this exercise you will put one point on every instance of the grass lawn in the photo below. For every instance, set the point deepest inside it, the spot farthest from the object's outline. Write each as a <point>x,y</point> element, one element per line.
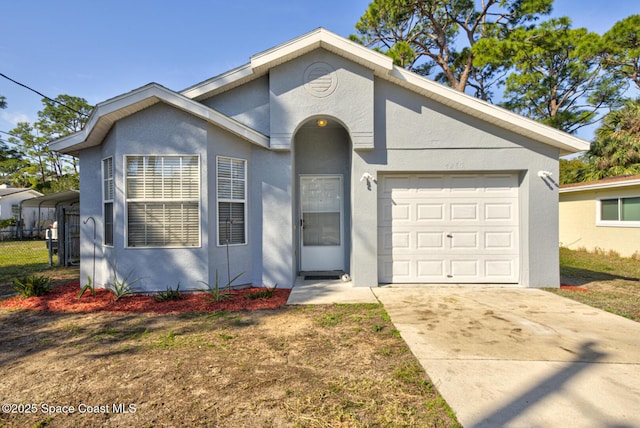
<point>604,281</point>
<point>20,258</point>
<point>315,366</point>
<point>23,258</point>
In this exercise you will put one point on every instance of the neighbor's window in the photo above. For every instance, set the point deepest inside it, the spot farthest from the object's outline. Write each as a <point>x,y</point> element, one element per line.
<point>620,212</point>
<point>163,201</point>
<point>232,189</point>
<point>107,200</point>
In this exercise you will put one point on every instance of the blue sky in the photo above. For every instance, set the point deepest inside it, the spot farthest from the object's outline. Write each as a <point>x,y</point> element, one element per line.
<point>101,49</point>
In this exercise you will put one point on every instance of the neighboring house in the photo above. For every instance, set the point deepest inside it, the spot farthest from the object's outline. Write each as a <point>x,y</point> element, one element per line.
<point>601,215</point>
<point>10,201</point>
<point>317,155</point>
<point>10,198</point>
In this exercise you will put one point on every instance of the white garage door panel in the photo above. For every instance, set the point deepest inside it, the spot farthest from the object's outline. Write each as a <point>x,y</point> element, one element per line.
<point>454,240</point>
<point>437,270</point>
<point>448,228</point>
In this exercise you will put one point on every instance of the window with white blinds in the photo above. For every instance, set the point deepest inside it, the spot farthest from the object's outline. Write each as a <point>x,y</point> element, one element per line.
<point>163,201</point>
<point>107,200</point>
<point>232,203</point>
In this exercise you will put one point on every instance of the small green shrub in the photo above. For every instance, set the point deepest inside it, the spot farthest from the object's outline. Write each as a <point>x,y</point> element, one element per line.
<point>265,293</point>
<point>217,293</point>
<point>377,328</point>
<point>7,222</point>
<point>170,294</point>
<point>88,286</point>
<point>34,285</point>
<point>121,287</point>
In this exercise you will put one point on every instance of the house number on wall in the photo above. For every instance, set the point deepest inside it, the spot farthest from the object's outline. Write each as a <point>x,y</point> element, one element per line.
<point>454,165</point>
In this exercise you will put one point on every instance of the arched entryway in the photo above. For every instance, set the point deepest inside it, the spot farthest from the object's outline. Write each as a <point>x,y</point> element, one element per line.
<point>322,179</point>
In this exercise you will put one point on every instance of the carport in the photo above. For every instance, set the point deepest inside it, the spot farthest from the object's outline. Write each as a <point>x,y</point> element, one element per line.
<point>66,239</point>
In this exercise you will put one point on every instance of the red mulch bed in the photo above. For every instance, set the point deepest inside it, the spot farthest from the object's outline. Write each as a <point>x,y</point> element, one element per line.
<point>573,288</point>
<point>64,298</point>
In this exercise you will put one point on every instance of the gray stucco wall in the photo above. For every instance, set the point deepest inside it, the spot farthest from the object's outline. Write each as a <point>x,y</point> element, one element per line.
<point>157,130</point>
<point>345,94</point>
<point>240,261</point>
<point>415,134</point>
<point>248,104</point>
<point>384,129</point>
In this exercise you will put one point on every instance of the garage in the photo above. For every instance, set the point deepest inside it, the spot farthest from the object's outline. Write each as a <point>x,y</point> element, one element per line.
<point>448,228</point>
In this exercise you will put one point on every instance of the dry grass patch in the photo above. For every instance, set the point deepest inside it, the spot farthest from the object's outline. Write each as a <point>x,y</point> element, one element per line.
<point>320,366</point>
<point>610,282</point>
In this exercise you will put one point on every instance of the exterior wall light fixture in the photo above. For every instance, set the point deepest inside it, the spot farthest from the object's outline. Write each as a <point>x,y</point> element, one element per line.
<point>321,123</point>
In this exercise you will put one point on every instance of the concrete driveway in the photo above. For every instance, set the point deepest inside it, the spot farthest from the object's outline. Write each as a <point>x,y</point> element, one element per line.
<point>505,357</point>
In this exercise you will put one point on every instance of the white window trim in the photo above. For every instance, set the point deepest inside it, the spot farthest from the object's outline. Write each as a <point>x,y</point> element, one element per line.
<point>106,201</point>
<point>244,201</point>
<point>127,200</point>
<point>613,223</point>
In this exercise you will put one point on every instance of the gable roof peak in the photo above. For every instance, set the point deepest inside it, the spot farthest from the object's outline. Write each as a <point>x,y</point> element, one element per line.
<point>260,63</point>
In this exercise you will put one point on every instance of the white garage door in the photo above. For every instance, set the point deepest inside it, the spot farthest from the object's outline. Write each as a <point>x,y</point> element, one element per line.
<point>450,228</point>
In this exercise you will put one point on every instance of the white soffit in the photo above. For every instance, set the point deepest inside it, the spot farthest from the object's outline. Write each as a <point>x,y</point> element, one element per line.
<point>105,114</point>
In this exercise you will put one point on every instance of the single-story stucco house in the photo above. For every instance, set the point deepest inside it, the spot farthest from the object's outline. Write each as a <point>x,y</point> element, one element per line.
<point>601,215</point>
<point>319,155</point>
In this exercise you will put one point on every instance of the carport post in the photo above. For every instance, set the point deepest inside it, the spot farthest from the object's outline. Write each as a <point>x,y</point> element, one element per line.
<point>50,239</point>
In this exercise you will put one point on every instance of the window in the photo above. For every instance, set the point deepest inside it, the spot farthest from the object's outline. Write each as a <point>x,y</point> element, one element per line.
<point>619,212</point>
<point>163,201</point>
<point>107,200</point>
<point>232,185</point>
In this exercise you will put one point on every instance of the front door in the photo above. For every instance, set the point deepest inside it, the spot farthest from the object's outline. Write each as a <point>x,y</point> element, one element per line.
<point>321,223</point>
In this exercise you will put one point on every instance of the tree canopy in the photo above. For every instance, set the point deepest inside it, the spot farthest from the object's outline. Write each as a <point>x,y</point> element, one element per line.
<point>33,164</point>
<point>622,49</point>
<point>616,148</point>
<point>436,37</point>
<point>557,75</point>
<point>504,50</point>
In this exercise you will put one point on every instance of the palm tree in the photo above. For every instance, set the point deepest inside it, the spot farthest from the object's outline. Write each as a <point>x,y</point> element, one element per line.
<point>616,148</point>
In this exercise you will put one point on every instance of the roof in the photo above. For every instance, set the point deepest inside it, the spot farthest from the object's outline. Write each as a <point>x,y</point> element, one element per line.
<point>7,191</point>
<point>605,183</point>
<point>106,113</point>
<point>384,68</point>
<point>52,200</point>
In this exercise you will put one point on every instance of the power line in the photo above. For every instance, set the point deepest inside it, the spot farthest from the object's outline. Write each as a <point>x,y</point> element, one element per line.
<point>11,135</point>
<point>43,95</point>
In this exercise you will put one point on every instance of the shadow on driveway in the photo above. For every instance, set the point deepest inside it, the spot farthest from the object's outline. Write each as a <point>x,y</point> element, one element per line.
<point>521,357</point>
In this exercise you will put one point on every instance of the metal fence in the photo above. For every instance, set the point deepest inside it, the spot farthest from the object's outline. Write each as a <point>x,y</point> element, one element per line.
<point>15,233</point>
<point>19,258</point>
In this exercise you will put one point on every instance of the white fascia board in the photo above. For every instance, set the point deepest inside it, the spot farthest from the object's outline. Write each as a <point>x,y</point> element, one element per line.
<point>598,186</point>
<point>145,97</point>
<point>320,38</point>
<point>228,79</point>
<point>99,113</point>
<point>494,114</point>
<point>260,63</point>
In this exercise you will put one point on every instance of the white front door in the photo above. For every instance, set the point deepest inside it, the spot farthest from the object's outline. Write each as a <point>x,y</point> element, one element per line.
<point>321,223</point>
